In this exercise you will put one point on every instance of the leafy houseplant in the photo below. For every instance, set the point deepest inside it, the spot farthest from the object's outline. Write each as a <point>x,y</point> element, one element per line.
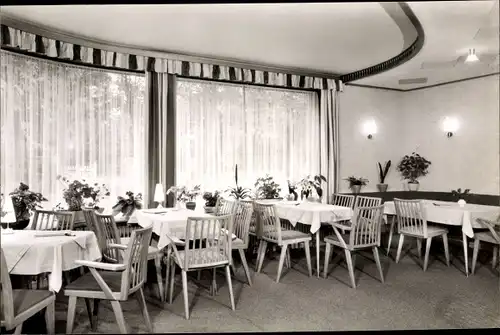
<point>238,192</point>
<point>210,200</point>
<point>355,183</point>
<point>128,204</point>
<point>185,195</point>
<point>267,188</point>
<point>25,202</point>
<point>310,183</point>
<point>79,194</point>
<point>382,186</point>
<point>412,167</point>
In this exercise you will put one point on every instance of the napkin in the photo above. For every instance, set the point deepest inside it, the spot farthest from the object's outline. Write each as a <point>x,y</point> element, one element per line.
<point>53,233</point>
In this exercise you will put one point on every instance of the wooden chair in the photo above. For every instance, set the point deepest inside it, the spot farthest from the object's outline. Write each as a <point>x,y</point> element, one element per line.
<point>362,201</point>
<point>490,236</point>
<point>20,305</point>
<point>271,231</point>
<point>412,222</point>
<point>241,226</point>
<point>116,282</point>
<point>343,200</point>
<point>224,206</point>
<point>113,255</point>
<point>364,232</point>
<point>53,220</point>
<point>212,251</point>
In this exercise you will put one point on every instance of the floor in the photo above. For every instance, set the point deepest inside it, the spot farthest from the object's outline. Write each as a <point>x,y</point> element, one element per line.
<point>441,298</point>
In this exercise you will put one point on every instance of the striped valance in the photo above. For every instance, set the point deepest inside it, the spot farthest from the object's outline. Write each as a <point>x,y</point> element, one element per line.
<point>15,38</point>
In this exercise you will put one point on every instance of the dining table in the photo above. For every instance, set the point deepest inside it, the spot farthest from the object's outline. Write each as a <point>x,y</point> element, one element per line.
<point>33,252</point>
<point>455,214</point>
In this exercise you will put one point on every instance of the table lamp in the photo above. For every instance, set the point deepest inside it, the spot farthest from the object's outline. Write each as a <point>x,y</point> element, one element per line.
<point>159,196</point>
<point>9,215</point>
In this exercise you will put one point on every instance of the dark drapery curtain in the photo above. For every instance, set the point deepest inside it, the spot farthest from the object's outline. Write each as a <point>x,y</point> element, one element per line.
<point>161,134</point>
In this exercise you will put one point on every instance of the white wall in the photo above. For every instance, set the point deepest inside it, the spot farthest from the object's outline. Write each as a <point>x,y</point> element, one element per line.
<point>412,121</point>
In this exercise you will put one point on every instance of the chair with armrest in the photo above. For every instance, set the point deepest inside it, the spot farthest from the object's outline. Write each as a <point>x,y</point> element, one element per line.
<point>491,236</point>
<point>114,282</point>
<point>53,220</point>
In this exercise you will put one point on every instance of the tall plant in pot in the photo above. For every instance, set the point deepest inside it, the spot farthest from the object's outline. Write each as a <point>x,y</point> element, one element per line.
<point>25,202</point>
<point>238,192</point>
<point>356,183</point>
<point>382,186</point>
<point>413,167</point>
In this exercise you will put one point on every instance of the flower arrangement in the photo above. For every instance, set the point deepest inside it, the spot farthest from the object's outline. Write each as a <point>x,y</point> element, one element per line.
<point>292,191</point>
<point>126,205</point>
<point>25,201</point>
<point>211,198</point>
<point>238,192</point>
<point>267,188</point>
<point>76,192</point>
<point>355,181</point>
<point>458,194</point>
<point>310,183</point>
<point>412,167</point>
<point>184,194</point>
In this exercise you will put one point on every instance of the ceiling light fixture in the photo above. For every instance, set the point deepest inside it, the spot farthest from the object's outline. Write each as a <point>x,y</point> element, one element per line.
<point>472,56</point>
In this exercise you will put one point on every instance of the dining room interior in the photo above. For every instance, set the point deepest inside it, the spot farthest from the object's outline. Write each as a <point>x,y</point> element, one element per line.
<point>248,167</point>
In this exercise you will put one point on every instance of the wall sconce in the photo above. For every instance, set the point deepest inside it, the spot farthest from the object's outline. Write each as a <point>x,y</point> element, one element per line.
<point>450,125</point>
<point>370,128</point>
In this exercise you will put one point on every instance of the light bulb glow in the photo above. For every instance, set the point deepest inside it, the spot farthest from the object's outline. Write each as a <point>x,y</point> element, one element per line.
<point>472,57</point>
<point>370,128</point>
<point>450,125</point>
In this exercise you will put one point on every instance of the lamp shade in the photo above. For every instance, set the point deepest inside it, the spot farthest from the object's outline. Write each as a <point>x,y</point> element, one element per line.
<point>159,193</point>
<point>8,212</point>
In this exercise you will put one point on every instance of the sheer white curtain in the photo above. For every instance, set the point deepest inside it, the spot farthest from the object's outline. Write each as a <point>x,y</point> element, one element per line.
<point>78,122</point>
<point>263,130</point>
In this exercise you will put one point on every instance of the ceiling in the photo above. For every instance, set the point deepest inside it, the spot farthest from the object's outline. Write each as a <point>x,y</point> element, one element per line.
<point>326,37</point>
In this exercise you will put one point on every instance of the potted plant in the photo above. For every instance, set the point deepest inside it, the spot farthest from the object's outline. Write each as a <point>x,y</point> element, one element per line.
<point>25,202</point>
<point>79,195</point>
<point>412,167</point>
<point>355,183</point>
<point>185,195</point>
<point>238,192</point>
<point>292,191</point>
<point>459,195</point>
<point>210,201</point>
<point>267,188</point>
<point>127,205</point>
<point>309,184</point>
<point>382,187</point>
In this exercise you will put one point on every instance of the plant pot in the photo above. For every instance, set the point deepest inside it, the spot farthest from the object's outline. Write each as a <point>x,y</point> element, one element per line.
<point>413,186</point>
<point>382,187</point>
<point>356,189</point>
<point>19,225</point>
<point>209,209</point>
<point>191,205</point>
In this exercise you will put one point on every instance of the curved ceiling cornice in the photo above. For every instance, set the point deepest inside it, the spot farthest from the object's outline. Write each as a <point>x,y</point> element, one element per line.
<point>394,10</point>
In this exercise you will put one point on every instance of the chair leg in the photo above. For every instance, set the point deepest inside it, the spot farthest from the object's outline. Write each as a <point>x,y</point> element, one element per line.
<point>474,255</point>
<point>446,249</point>
<point>185,293</point>
<point>494,260</point>
<point>159,278</point>
<point>19,329</point>
<point>379,266</point>
<point>287,259</point>
<point>262,255</point>
<point>167,274</point>
<point>89,312</point>
<point>50,318</point>
<point>117,309</point>
<point>172,281</point>
<point>198,275</point>
<point>230,286</point>
<point>419,248</point>
<point>391,232</point>
<point>139,294</point>
<point>95,313</point>
<point>71,314</point>
<point>328,251</point>
<point>308,258</point>
<point>350,266</point>
<point>427,250</point>
<point>245,266</point>
<point>258,255</point>
<point>213,288</point>
<point>400,247</point>
<point>282,259</point>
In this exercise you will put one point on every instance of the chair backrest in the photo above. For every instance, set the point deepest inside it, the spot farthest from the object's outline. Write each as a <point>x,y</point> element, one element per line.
<point>411,216</point>
<point>343,200</point>
<point>224,206</point>
<point>212,237</point>
<point>362,201</point>
<point>268,220</point>
<point>494,228</point>
<point>110,234</point>
<point>242,219</point>
<point>53,220</point>
<point>366,227</point>
<point>7,297</point>
<point>94,226</point>
<point>136,261</point>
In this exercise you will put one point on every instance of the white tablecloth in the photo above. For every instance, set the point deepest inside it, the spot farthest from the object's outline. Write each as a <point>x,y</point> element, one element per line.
<point>313,213</point>
<point>169,221</point>
<point>27,254</point>
<point>450,213</point>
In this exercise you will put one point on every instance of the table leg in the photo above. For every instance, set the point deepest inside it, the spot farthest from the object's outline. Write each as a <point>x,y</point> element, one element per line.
<point>466,256</point>
<point>317,252</point>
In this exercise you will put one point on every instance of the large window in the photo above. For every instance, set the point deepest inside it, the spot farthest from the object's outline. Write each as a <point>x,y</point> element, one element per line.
<point>78,122</point>
<point>263,130</point>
